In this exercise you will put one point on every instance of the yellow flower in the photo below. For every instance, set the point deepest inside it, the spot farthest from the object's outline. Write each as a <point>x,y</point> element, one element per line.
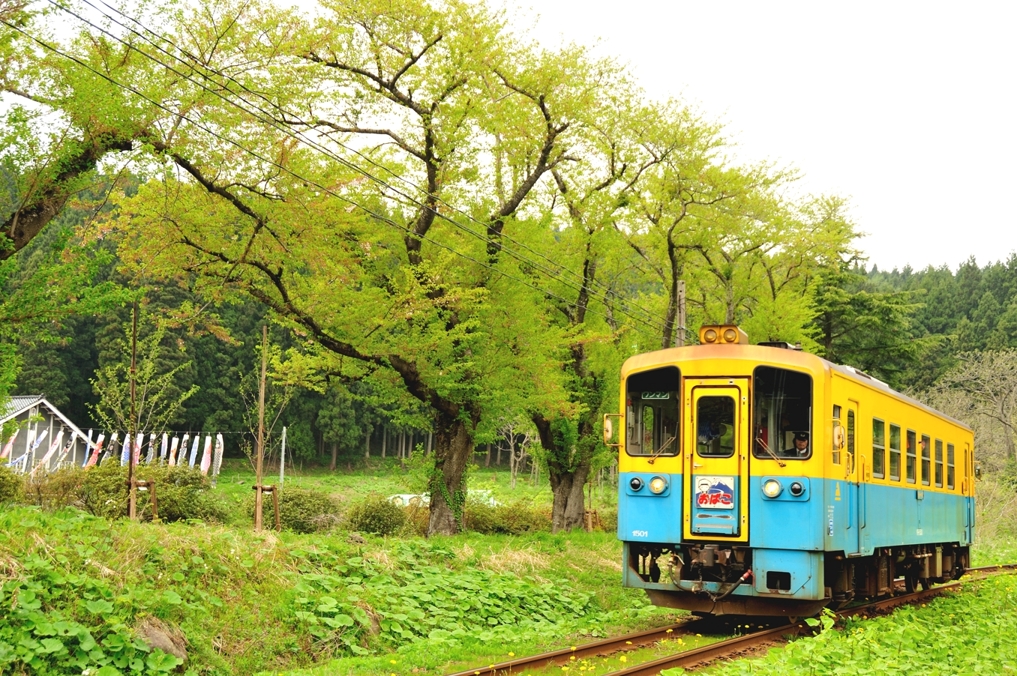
<point>623,659</point>
<point>669,631</point>
<point>511,654</point>
<point>572,657</point>
<point>628,642</point>
<point>392,662</point>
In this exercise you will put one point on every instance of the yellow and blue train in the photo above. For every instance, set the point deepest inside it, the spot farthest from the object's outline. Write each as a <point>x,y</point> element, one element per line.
<point>762,480</point>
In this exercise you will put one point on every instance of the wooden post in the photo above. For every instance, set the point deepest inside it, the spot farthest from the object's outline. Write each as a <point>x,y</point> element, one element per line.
<point>261,427</point>
<point>150,487</point>
<point>260,490</point>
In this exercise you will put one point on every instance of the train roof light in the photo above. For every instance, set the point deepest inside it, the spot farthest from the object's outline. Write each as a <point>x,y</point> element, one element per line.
<point>722,334</point>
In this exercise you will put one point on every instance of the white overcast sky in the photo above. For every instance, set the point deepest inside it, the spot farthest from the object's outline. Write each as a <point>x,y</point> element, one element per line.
<point>908,109</point>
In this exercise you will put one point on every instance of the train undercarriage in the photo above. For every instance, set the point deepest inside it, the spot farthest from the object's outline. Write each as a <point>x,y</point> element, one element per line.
<point>721,579</point>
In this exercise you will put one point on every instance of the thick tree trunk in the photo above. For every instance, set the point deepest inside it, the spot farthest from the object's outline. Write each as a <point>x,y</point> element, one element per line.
<point>569,504</point>
<point>335,453</point>
<point>452,449</point>
<point>567,482</point>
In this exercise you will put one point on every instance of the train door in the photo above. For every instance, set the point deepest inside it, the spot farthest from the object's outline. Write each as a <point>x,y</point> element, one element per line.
<point>852,480</point>
<point>717,471</point>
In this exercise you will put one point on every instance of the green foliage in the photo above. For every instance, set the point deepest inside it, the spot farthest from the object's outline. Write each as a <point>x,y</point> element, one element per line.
<point>56,489</point>
<point>424,600</point>
<point>375,515</point>
<point>953,634</point>
<point>182,493</point>
<point>516,519</point>
<point>11,485</point>
<point>304,511</point>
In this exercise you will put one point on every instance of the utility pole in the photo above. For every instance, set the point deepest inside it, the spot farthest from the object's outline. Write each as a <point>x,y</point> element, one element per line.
<point>679,332</point>
<point>258,488</point>
<point>132,499</point>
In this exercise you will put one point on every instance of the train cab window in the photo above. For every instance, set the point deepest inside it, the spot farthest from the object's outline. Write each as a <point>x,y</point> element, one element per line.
<point>912,458</point>
<point>949,466</point>
<point>894,452</point>
<point>652,406</point>
<point>926,460</point>
<point>851,439</point>
<point>782,413</point>
<point>715,427</point>
<point>878,448</point>
<point>939,463</point>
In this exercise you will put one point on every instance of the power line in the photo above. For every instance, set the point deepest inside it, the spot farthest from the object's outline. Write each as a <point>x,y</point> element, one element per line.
<point>288,171</point>
<point>269,119</point>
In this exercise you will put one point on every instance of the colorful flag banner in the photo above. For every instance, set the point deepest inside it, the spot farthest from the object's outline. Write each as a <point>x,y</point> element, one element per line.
<point>9,445</point>
<point>206,455</point>
<point>93,457</point>
<point>57,442</point>
<point>163,448</point>
<point>63,453</point>
<point>173,451</point>
<point>194,449</point>
<point>138,443</point>
<point>111,449</point>
<point>217,457</point>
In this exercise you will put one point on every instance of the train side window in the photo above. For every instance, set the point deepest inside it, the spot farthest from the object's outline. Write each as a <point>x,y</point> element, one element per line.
<point>838,435</point>
<point>912,459</point>
<point>894,452</point>
<point>652,405</point>
<point>878,448</point>
<point>949,466</point>
<point>781,410</point>
<point>926,460</point>
<point>851,439</point>
<point>939,463</point>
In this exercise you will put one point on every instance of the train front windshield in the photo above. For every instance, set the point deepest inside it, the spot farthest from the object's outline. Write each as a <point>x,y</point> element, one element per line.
<point>782,413</point>
<point>652,400</point>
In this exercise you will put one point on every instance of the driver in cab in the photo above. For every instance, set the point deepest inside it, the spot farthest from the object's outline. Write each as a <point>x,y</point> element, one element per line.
<point>799,447</point>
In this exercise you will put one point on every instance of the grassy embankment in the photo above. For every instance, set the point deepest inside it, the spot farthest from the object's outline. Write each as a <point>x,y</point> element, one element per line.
<point>76,590</point>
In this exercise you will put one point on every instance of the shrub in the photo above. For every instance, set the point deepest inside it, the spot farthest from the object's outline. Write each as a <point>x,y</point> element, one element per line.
<point>181,492</point>
<point>56,489</point>
<point>513,519</point>
<point>608,520</point>
<point>376,515</point>
<point>10,485</point>
<point>302,511</point>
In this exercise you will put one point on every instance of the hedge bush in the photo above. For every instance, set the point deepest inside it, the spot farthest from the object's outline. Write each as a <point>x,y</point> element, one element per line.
<point>376,515</point>
<point>10,484</point>
<point>302,511</point>
<point>514,519</point>
<point>182,493</point>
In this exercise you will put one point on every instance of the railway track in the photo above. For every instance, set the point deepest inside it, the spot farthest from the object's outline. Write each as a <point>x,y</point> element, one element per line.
<point>705,654</point>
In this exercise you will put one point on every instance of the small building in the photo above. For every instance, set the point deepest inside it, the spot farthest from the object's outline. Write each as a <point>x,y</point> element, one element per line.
<point>43,433</point>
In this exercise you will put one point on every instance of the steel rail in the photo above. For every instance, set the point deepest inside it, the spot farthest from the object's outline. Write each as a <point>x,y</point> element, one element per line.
<point>709,653</point>
<point>566,655</point>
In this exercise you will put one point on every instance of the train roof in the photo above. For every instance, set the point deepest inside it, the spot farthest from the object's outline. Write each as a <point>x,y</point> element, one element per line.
<point>772,355</point>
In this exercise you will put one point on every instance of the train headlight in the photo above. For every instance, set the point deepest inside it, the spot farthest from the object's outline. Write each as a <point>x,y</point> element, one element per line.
<point>772,488</point>
<point>730,335</point>
<point>635,483</point>
<point>657,485</point>
<point>796,488</point>
<point>710,336</point>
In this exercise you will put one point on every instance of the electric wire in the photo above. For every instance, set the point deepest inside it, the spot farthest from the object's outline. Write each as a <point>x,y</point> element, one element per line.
<point>270,119</point>
<point>256,155</point>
